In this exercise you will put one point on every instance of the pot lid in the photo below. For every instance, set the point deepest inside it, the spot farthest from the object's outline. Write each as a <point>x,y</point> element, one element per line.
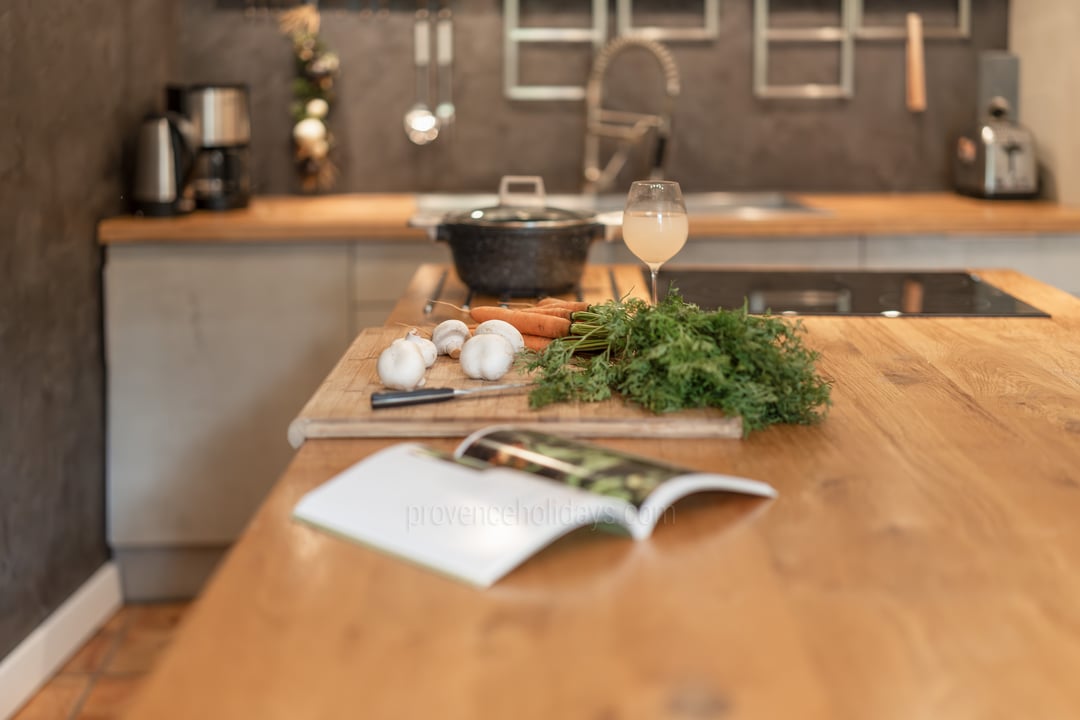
<point>517,216</point>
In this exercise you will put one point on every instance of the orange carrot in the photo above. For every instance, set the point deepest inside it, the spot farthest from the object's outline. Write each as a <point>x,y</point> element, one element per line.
<point>527,323</point>
<point>552,310</point>
<point>536,342</point>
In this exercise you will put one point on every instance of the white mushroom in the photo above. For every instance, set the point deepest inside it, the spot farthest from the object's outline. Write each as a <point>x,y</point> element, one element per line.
<point>487,357</point>
<point>401,366</point>
<point>503,329</point>
<point>427,348</point>
<point>449,336</point>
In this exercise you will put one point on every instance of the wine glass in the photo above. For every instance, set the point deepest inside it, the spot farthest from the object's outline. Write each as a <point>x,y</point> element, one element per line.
<point>654,223</point>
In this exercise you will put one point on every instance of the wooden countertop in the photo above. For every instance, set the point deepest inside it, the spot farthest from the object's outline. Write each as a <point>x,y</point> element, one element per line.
<point>380,217</point>
<point>922,560</point>
<point>275,218</point>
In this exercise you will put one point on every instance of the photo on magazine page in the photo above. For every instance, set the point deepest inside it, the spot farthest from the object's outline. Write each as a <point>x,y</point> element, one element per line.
<point>598,470</point>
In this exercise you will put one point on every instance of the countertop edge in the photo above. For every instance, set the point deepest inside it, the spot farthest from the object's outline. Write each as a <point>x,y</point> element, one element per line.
<point>384,217</point>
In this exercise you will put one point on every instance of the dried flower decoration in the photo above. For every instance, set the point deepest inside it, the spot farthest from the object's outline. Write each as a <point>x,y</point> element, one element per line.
<point>313,94</point>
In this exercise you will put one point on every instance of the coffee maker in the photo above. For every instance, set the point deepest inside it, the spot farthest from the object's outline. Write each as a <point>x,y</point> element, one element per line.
<point>220,116</point>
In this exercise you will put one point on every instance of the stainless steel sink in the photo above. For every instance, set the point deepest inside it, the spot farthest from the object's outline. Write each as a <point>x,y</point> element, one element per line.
<point>742,205</point>
<point>719,203</point>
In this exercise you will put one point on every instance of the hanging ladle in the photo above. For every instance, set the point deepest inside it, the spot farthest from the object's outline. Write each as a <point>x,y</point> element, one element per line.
<point>421,125</point>
<point>444,37</point>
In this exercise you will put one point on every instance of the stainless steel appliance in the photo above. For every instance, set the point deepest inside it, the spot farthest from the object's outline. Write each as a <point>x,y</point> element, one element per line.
<point>220,115</point>
<point>164,158</point>
<point>883,293</point>
<point>998,159</point>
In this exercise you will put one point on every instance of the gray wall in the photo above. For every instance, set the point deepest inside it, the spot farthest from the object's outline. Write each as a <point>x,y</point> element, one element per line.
<point>725,138</point>
<point>75,79</point>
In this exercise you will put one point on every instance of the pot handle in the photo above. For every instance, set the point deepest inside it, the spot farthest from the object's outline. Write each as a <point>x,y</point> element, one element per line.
<point>429,222</point>
<point>536,198</point>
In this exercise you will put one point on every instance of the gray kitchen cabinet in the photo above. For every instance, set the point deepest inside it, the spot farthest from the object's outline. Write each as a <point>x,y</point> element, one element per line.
<point>1053,259</point>
<point>822,252</point>
<point>379,273</point>
<point>211,351</point>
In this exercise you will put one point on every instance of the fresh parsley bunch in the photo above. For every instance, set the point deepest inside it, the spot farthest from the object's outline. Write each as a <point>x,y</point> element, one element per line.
<point>675,356</point>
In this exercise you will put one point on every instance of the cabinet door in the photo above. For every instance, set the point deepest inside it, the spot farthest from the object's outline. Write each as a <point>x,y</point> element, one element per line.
<point>380,273</point>
<point>1053,259</point>
<point>820,252</point>
<point>211,351</point>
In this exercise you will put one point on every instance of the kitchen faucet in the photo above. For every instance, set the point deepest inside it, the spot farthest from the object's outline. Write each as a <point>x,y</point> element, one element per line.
<point>629,128</point>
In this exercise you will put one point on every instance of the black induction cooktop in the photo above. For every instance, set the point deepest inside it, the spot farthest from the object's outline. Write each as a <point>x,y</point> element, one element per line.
<point>845,292</point>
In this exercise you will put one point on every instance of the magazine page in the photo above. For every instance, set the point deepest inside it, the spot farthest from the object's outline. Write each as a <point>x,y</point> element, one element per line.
<point>444,513</point>
<point>594,468</point>
<point>649,485</point>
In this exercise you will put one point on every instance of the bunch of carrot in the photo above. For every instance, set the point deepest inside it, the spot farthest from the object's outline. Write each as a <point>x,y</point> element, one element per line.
<point>538,324</point>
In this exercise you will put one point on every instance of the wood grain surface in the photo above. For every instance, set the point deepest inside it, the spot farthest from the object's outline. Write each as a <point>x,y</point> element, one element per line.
<point>915,76</point>
<point>921,561</point>
<point>276,217</point>
<point>341,407</point>
<point>381,217</point>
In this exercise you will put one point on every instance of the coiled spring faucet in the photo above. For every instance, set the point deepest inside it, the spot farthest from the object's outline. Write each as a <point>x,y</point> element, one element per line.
<point>629,128</point>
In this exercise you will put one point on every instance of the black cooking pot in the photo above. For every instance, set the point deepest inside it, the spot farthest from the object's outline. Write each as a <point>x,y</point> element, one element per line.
<point>520,247</point>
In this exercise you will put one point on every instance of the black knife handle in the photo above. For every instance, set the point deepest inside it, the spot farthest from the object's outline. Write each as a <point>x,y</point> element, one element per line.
<point>399,398</point>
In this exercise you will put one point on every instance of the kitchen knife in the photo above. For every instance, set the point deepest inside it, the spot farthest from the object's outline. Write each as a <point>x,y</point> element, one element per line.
<point>399,398</point>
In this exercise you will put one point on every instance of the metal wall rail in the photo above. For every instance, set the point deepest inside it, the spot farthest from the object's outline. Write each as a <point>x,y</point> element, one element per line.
<point>844,35</point>
<point>514,35</point>
<point>709,29</point>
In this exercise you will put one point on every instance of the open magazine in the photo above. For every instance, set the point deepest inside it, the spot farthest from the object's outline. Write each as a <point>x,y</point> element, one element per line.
<point>503,494</point>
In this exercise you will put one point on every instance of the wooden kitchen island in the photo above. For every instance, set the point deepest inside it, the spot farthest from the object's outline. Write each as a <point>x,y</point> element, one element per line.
<point>922,561</point>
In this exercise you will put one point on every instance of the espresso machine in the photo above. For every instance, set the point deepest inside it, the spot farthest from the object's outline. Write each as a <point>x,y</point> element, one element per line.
<point>220,117</point>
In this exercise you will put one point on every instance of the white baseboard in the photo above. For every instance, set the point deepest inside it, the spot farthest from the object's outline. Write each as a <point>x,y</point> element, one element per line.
<point>44,651</point>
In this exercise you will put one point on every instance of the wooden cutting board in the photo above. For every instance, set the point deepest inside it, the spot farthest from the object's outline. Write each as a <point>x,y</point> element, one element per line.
<point>341,407</point>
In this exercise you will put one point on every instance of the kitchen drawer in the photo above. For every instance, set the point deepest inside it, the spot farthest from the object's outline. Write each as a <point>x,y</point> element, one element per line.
<point>370,313</point>
<point>840,252</point>
<point>380,271</point>
<point>211,351</point>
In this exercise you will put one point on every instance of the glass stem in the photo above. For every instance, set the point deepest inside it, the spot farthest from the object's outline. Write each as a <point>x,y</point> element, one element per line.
<point>654,268</point>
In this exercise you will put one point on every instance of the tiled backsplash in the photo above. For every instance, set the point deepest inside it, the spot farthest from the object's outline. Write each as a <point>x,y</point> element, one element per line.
<point>724,137</point>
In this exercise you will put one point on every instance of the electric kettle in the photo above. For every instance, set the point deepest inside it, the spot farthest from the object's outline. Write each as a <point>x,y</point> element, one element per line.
<point>165,156</point>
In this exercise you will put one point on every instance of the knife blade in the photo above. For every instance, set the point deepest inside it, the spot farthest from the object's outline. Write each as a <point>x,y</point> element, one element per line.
<point>400,398</point>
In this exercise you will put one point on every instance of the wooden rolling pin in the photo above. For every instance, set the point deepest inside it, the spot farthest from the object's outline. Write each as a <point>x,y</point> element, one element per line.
<point>916,64</point>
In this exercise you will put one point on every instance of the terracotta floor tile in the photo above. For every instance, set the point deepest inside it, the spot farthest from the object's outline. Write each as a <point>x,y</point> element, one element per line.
<point>157,616</point>
<point>92,655</point>
<point>149,630</point>
<point>56,700</point>
<point>109,697</point>
<point>125,648</point>
<point>119,620</point>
